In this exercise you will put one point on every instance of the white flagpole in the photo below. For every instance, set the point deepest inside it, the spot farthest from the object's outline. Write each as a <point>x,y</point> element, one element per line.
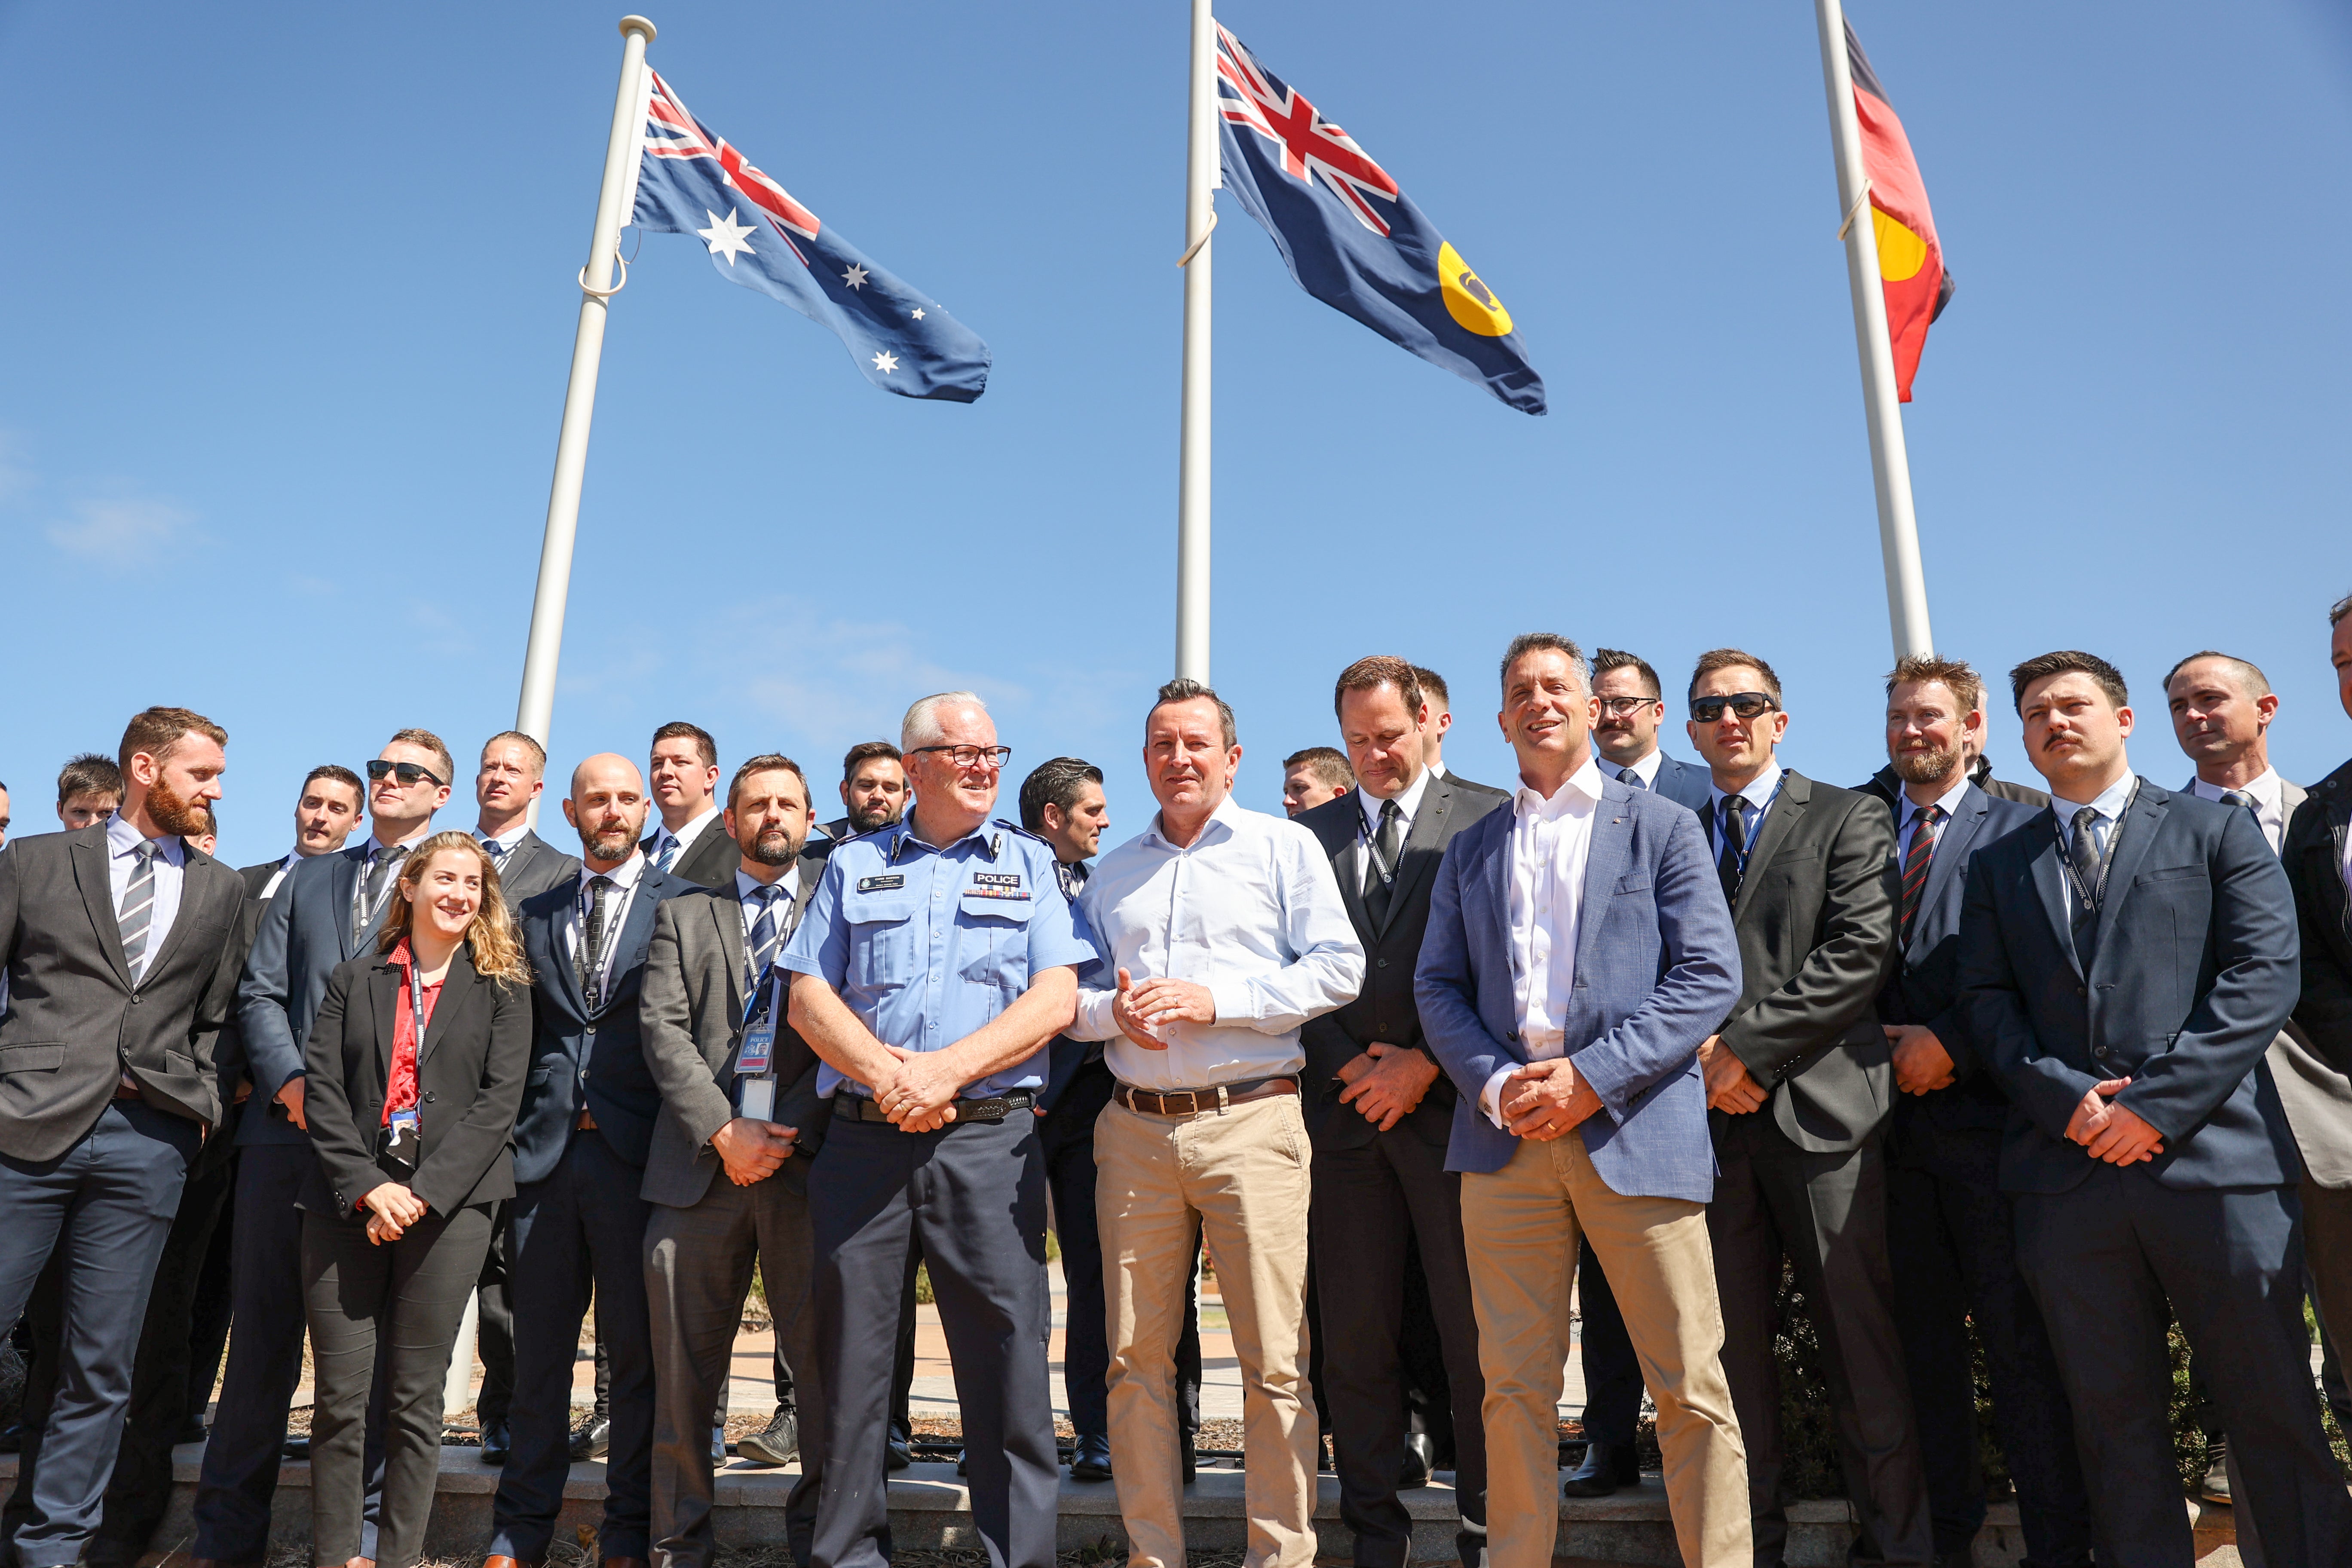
<point>536,709</point>
<point>1890,463</point>
<point>1201,171</point>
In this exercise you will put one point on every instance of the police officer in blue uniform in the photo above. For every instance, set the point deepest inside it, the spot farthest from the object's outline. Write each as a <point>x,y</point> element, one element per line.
<point>937,959</point>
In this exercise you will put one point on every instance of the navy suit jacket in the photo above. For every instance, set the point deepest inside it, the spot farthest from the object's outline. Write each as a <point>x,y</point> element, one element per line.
<point>303,936</point>
<point>1684,784</point>
<point>2196,969</point>
<point>1657,967</point>
<point>581,1059</point>
<point>1924,986</point>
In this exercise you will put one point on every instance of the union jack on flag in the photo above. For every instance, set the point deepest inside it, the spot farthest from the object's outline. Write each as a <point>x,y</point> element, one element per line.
<point>688,181</point>
<point>1351,236</point>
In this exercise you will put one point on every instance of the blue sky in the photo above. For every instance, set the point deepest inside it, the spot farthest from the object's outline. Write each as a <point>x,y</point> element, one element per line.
<point>290,302</point>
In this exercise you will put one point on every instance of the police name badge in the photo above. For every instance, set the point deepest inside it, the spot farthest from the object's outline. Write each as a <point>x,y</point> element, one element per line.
<point>889,884</point>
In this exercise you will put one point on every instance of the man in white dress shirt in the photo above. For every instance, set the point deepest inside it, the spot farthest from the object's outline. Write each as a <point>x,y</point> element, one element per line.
<point>1227,932</point>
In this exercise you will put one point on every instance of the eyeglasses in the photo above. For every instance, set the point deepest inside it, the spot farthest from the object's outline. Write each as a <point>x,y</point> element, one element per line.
<point>1745,704</point>
<point>406,773</point>
<point>1620,707</point>
<point>974,756</point>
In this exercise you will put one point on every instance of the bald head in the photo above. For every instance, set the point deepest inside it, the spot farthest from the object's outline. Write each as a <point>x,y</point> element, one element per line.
<point>608,806</point>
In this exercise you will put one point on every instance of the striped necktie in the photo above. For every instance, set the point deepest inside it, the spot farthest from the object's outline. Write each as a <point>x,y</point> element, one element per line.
<point>667,857</point>
<point>136,918</point>
<point>1916,865</point>
<point>767,932</point>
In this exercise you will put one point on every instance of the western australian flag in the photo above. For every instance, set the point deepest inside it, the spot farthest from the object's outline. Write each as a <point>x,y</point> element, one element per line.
<point>1353,239</point>
<point>690,182</point>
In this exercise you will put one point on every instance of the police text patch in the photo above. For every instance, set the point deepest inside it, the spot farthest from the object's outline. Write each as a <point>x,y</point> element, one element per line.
<point>882,884</point>
<point>996,885</point>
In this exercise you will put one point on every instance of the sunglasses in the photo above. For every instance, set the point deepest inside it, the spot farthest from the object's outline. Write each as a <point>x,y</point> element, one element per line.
<point>406,773</point>
<point>1745,704</point>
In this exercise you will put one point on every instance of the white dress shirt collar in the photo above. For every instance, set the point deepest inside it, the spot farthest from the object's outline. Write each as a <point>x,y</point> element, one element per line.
<point>694,829</point>
<point>2269,791</point>
<point>1584,784</point>
<point>2108,804</point>
<point>1646,769</point>
<point>1221,825</point>
<point>505,841</point>
<point>1755,791</point>
<point>625,875</point>
<point>1408,803</point>
<point>788,886</point>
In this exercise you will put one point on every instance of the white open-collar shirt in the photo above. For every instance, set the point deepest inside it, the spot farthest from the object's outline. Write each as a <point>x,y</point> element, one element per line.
<point>1551,845</point>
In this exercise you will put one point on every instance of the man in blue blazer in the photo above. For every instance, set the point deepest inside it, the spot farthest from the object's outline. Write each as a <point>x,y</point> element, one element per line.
<point>2126,961</point>
<point>1578,950</point>
<point>576,1222</point>
<point>1950,1230</point>
<point>329,909</point>
<point>1632,707</point>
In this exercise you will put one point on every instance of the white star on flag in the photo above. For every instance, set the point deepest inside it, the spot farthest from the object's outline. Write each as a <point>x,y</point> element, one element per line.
<point>886,363</point>
<point>726,236</point>
<point>918,313</point>
<point>855,276</point>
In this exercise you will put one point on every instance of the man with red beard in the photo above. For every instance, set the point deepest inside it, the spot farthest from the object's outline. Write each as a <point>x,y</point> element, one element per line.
<point>112,938</point>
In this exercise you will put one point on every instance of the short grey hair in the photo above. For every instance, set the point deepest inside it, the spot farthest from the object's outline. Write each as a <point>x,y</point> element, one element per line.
<point>921,725</point>
<point>1527,643</point>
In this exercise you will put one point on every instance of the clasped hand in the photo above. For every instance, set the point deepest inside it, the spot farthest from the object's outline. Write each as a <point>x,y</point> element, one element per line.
<point>2113,1132</point>
<point>392,1209</point>
<point>753,1151</point>
<point>1143,1011</point>
<point>1922,1065</point>
<point>1546,1099</point>
<point>1386,1082</point>
<point>1729,1086</point>
<point>920,1097</point>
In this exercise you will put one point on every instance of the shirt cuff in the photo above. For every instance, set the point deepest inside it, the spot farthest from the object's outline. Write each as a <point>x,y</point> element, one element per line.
<point>1490,1099</point>
<point>1233,1001</point>
<point>1095,1021</point>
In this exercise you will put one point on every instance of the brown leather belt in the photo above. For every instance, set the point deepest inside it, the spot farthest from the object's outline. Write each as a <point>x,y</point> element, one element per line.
<point>1193,1101</point>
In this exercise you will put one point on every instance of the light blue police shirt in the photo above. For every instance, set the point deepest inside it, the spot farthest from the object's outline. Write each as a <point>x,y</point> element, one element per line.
<point>927,944</point>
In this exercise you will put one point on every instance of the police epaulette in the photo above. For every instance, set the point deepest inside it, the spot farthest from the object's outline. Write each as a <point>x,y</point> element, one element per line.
<point>1016,828</point>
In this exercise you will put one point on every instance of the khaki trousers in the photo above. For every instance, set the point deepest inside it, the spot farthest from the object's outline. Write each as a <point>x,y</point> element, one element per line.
<point>1240,1175</point>
<point>1522,1225</point>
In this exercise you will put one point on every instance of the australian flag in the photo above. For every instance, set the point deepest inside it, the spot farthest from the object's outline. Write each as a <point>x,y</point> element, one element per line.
<point>690,182</point>
<point>1353,239</point>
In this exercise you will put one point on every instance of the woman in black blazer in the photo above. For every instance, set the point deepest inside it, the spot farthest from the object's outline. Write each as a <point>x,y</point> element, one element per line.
<point>415,1147</point>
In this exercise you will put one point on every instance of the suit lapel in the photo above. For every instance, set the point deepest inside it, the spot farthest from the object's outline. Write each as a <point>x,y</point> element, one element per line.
<point>2138,828</point>
<point>194,876</point>
<point>636,931</point>
<point>1610,852</point>
<point>1780,820</point>
<point>384,995</point>
<point>567,971</point>
<point>459,989</point>
<point>90,856</point>
<point>1975,807</point>
<point>726,912</point>
<point>2050,882</point>
<point>1417,860</point>
<point>2328,878</point>
<point>348,866</point>
<point>1494,875</point>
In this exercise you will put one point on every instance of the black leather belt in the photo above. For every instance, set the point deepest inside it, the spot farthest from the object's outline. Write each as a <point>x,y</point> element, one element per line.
<point>1193,1101</point>
<point>849,1107</point>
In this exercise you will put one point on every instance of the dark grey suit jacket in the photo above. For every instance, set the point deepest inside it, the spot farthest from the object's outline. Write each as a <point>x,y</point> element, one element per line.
<point>303,934</point>
<point>1816,916</point>
<point>2310,1060</point>
<point>691,1012</point>
<point>1384,1009</point>
<point>531,868</point>
<point>711,860</point>
<point>75,1024</point>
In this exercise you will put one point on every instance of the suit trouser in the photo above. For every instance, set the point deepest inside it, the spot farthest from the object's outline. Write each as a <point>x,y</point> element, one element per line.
<point>1067,1135</point>
<point>139,1490</point>
<point>407,1296</point>
<point>1240,1179</point>
<point>208,1314</point>
<point>697,1272</point>
<point>1613,1373</point>
<point>973,1193</point>
<point>1826,1213</point>
<point>579,1233</point>
<point>1521,1226</point>
<point>1372,1208</point>
<point>104,1207</point>
<point>242,1454</point>
<point>494,1328</point>
<point>2112,1261</point>
<point>1951,1237</point>
<point>2327,1268</point>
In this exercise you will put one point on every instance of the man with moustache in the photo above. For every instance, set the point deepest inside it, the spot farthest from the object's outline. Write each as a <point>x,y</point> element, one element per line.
<point>727,1173</point>
<point>112,941</point>
<point>1951,1232</point>
<point>1381,1113</point>
<point>684,773</point>
<point>935,960</point>
<point>577,1223</point>
<point>1799,1078</point>
<point>327,910</point>
<point>2126,961</point>
<point>1625,736</point>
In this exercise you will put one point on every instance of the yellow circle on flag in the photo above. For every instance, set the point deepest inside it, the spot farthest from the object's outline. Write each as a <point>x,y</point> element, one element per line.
<point>1901,253</point>
<point>1467,298</point>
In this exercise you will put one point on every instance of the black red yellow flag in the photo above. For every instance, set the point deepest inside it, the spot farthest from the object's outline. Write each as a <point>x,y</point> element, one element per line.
<point>1910,256</point>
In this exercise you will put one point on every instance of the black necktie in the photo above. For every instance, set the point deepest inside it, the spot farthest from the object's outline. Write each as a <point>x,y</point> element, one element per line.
<point>1386,845</point>
<point>2085,857</point>
<point>1627,776</point>
<point>371,895</point>
<point>1916,865</point>
<point>1731,836</point>
<point>589,955</point>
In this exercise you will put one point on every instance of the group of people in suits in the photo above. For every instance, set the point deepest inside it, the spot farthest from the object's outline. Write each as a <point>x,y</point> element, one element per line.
<point>1418,1066</point>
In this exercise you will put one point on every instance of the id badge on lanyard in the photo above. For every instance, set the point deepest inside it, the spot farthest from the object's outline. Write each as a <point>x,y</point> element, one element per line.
<point>755,1069</point>
<point>404,1132</point>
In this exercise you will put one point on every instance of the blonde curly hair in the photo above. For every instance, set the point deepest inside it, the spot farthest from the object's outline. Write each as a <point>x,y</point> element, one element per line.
<point>497,945</point>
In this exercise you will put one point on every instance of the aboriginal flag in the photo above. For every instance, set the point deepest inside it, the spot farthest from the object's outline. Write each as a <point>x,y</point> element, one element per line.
<point>1910,258</point>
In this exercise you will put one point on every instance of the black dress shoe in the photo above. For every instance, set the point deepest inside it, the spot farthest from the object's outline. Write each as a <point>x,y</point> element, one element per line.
<point>192,1430</point>
<point>779,1445</point>
<point>960,1470</point>
<point>1190,1454</point>
<point>1420,1461</point>
<point>1091,1459</point>
<point>295,1449</point>
<point>1607,1468</point>
<point>497,1443</point>
<point>590,1438</point>
<point>897,1452</point>
<point>11,1437</point>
